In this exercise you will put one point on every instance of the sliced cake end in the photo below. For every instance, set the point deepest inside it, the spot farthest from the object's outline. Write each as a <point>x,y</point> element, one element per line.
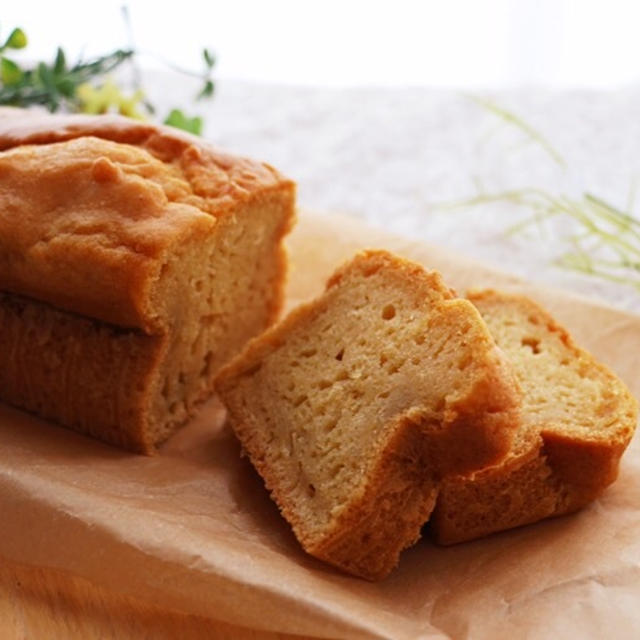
<point>356,406</point>
<point>577,420</point>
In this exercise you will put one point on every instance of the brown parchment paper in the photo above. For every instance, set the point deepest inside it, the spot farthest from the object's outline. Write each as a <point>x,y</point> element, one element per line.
<point>193,528</point>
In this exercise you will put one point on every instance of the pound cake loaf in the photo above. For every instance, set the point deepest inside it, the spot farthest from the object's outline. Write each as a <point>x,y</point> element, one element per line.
<point>577,420</point>
<point>134,261</point>
<point>356,406</point>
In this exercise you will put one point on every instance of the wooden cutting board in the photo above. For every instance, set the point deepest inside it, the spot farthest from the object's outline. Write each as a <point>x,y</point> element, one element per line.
<point>42,604</point>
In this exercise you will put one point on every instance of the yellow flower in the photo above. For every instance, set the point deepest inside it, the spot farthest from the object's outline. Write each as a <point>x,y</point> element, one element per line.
<point>109,98</point>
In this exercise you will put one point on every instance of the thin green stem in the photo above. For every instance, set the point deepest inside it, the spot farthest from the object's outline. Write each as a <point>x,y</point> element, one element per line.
<point>527,129</point>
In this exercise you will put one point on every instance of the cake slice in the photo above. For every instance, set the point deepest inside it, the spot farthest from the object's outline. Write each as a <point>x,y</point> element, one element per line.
<point>356,406</point>
<point>577,420</point>
<point>134,262</point>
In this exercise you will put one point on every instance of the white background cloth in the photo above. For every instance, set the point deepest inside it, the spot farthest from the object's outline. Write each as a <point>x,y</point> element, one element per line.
<point>389,156</point>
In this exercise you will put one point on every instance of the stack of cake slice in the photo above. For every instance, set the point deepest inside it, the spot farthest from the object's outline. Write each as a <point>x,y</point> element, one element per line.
<point>389,397</point>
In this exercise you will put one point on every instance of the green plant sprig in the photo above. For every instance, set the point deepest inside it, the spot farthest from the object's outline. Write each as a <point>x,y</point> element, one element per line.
<point>511,118</point>
<point>54,86</point>
<point>58,86</point>
<point>605,239</point>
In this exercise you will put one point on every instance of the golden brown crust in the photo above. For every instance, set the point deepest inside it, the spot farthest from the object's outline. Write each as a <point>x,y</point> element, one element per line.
<point>81,243</point>
<point>226,174</point>
<point>399,496</point>
<point>560,461</point>
<point>79,372</point>
<point>425,437</point>
<point>136,247</point>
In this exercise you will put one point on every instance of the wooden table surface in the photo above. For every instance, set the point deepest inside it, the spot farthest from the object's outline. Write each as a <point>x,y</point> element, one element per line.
<point>41,604</point>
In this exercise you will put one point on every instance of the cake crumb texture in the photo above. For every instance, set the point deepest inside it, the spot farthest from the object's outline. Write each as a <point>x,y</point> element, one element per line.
<point>356,406</point>
<point>577,420</point>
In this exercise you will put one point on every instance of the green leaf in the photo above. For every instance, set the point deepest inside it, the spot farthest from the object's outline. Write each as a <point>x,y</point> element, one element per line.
<point>45,75</point>
<point>17,39</point>
<point>207,90</point>
<point>66,87</point>
<point>209,58</point>
<point>60,64</point>
<point>46,78</point>
<point>10,72</point>
<point>177,119</point>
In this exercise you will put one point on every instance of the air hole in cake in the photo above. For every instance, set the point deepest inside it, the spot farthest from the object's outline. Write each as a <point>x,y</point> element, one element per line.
<point>311,490</point>
<point>384,394</point>
<point>464,362</point>
<point>419,338</point>
<point>291,446</point>
<point>337,470</point>
<point>370,270</point>
<point>299,400</point>
<point>199,285</point>
<point>388,312</point>
<point>532,343</point>
<point>438,350</point>
<point>206,367</point>
<point>492,410</point>
<point>251,370</point>
<point>340,355</point>
<point>342,375</point>
<point>308,353</point>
